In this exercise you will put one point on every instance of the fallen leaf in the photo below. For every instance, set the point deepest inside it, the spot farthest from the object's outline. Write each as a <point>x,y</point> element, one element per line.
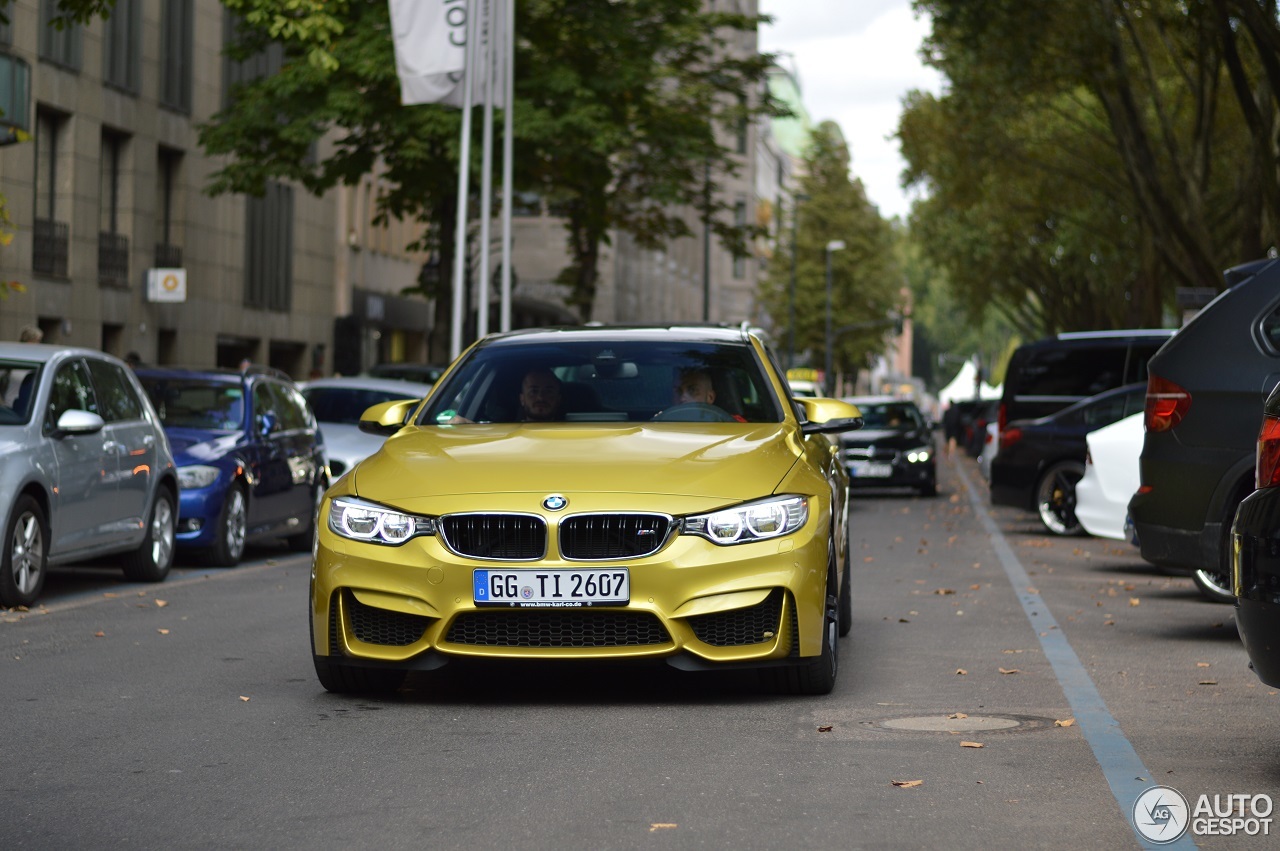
<point>957,715</point>
<point>825,728</point>
<point>867,558</point>
<point>1108,623</point>
<point>1065,722</point>
<point>99,634</point>
<point>972,745</point>
<point>1134,601</point>
<point>1208,682</point>
<point>1008,670</point>
<point>903,620</point>
<point>161,603</point>
<point>245,699</point>
<point>163,631</point>
<point>662,825</point>
<point>975,587</point>
<point>110,595</point>
<point>906,784</point>
<point>944,591</point>
<point>960,672</point>
<point>1202,664</point>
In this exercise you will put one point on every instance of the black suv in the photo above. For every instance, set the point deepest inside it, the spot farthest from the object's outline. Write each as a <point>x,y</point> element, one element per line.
<point>1050,374</point>
<point>1205,397</point>
<point>893,449</point>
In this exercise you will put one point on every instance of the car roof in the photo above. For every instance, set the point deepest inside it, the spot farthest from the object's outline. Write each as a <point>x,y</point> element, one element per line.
<point>877,400</point>
<point>45,352</point>
<point>620,333</point>
<point>220,374</point>
<point>367,382</point>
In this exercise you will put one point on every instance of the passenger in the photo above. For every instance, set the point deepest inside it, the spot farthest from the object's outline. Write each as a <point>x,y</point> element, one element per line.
<point>540,397</point>
<point>694,386</point>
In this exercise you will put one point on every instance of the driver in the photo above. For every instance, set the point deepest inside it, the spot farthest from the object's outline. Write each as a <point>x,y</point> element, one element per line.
<point>694,386</point>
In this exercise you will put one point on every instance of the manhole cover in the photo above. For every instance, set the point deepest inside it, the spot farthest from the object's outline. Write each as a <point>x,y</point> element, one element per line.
<point>962,723</point>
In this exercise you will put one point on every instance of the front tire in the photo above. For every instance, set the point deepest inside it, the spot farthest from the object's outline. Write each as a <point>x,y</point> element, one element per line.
<point>814,676</point>
<point>22,569</point>
<point>1214,586</point>
<point>152,560</point>
<point>233,526</point>
<point>1056,497</point>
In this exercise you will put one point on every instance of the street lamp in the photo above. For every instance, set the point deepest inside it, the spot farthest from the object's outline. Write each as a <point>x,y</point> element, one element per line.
<point>832,246</point>
<point>791,293</point>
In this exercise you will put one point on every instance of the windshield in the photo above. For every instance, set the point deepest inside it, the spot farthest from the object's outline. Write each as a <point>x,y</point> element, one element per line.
<point>607,381</point>
<point>193,403</point>
<point>18,380</point>
<point>890,415</point>
<point>344,405</point>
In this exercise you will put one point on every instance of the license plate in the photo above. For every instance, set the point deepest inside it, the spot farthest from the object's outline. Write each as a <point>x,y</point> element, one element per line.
<point>870,470</point>
<point>552,588</point>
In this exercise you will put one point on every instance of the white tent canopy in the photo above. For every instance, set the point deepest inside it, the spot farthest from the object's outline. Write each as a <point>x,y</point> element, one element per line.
<point>961,387</point>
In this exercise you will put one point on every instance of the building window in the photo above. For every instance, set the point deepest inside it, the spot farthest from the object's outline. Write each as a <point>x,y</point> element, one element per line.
<point>264,63</point>
<point>176,27</point>
<point>59,46</point>
<point>113,246</point>
<point>739,221</point>
<point>740,141</point>
<point>268,258</point>
<point>51,238</point>
<point>121,50</point>
<point>168,227</point>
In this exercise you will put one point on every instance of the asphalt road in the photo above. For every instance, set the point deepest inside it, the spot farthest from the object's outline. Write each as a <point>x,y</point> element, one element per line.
<point>1000,689</point>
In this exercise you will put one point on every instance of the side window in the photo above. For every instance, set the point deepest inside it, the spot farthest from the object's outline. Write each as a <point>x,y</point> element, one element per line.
<point>1104,412</point>
<point>263,403</point>
<point>1271,328</point>
<point>292,408</point>
<point>72,390</point>
<point>116,398</point>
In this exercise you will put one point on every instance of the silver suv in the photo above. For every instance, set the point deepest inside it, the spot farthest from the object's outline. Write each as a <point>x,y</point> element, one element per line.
<point>84,466</point>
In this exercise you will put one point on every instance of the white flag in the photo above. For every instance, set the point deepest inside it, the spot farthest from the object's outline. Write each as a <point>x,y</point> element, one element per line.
<point>430,39</point>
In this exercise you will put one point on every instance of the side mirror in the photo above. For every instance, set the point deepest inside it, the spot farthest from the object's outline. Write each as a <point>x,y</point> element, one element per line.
<point>76,421</point>
<point>829,416</point>
<point>387,418</point>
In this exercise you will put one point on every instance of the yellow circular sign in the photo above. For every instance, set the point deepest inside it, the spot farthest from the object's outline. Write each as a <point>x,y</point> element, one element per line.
<point>170,282</point>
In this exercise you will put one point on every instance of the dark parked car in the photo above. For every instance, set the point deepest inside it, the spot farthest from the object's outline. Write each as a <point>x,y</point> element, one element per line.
<point>85,470</point>
<point>1041,460</point>
<point>894,448</point>
<point>1050,374</point>
<point>1255,556</point>
<point>1206,388</point>
<point>250,461</point>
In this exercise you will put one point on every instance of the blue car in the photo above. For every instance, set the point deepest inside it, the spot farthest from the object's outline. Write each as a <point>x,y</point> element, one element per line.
<point>251,463</point>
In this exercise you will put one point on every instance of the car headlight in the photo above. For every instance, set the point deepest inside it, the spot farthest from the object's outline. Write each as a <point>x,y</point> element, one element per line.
<point>919,455</point>
<point>197,476</point>
<point>366,521</point>
<point>752,521</point>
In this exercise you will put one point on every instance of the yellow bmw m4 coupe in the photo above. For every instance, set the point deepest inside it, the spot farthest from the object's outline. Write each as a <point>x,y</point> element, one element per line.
<point>592,493</point>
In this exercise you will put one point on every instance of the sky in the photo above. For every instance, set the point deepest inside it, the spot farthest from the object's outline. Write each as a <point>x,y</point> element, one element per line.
<point>856,60</point>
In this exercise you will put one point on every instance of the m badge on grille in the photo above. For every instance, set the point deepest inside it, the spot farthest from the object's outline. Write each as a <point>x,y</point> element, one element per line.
<point>555,502</point>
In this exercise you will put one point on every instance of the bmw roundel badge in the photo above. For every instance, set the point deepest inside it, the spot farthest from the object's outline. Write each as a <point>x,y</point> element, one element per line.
<point>555,502</point>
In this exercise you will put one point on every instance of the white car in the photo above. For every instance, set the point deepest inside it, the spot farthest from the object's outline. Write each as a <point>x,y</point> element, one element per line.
<point>338,404</point>
<point>1110,478</point>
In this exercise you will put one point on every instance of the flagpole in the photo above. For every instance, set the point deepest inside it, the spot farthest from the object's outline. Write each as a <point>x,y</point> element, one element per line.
<point>508,102</point>
<point>486,48</point>
<point>464,167</point>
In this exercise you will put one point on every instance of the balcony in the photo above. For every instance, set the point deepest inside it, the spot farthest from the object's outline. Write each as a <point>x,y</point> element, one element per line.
<point>168,256</point>
<point>50,248</point>
<point>113,260</point>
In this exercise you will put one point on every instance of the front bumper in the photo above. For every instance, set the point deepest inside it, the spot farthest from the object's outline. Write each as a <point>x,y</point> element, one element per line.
<point>1255,575</point>
<point>411,607</point>
<point>198,512</point>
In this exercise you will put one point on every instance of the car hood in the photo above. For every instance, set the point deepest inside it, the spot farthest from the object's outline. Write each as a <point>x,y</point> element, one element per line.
<point>720,463</point>
<point>886,437</point>
<point>194,446</point>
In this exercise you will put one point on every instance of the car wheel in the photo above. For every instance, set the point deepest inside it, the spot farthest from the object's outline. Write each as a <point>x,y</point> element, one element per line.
<point>813,676</point>
<point>1056,497</point>
<point>351,679</point>
<point>301,542</point>
<point>1215,585</point>
<point>151,561</point>
<point>24,554</point>
<point>846,598</point>
<point>233,525</point>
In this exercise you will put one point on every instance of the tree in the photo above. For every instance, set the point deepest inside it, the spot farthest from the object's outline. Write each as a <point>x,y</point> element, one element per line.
<point>616,111</point>
<point>866,279</point>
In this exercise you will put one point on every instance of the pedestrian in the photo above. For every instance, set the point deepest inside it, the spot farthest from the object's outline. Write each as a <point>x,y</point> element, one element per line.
<point>30,334</point>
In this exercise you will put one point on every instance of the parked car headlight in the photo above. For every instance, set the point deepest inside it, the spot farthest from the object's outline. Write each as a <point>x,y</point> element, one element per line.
<point>197,476</point>
<point>919,455</point>
<point>366,521</point>
<point>753,521</point>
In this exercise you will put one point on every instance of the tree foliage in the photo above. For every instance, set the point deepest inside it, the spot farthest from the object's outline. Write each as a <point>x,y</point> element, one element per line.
<point>616,116</point>
<point>1084,161</point>
<point>866,280</point>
